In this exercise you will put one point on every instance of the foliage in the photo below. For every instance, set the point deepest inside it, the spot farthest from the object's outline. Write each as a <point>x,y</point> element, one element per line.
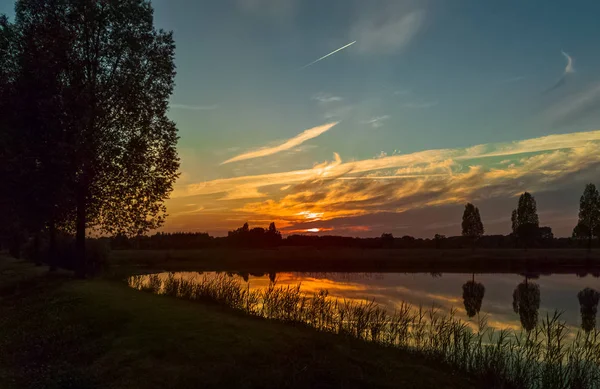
<point>255,237</point>
<point>471,222</point>
<point>589,214</point>
<point>473,293</point>
<point>588,301</point>
<point>93,80</point>
<point>525,220</point>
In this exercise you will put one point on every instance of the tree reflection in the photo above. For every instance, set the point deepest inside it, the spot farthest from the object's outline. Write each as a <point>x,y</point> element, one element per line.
<point>526,302</point>
<point>588,303</point>
<point>473,293</point>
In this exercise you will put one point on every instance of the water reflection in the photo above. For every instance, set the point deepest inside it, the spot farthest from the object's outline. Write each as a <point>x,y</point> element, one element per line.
<point>493,295</point>
<point>473,293</point>
<point>526,302</point>
<point>588,301</point>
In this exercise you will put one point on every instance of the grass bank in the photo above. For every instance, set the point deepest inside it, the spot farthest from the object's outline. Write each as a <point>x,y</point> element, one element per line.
<point>358,260</point>
<point>547,356</point>
<point>56,332</point>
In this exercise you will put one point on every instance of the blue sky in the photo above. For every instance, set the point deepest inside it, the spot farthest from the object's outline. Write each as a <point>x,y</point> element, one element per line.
<point>422,76</point>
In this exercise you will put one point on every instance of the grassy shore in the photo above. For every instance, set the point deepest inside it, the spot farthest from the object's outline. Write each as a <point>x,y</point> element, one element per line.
<point>57,332</point>
<point>359,260</point>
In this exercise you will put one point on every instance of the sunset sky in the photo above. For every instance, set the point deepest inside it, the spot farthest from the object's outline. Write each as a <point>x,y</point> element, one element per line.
<point>435,104</point>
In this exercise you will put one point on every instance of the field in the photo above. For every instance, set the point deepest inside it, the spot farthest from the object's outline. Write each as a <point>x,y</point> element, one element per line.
<point>358,260</point>
<point>57,332</point>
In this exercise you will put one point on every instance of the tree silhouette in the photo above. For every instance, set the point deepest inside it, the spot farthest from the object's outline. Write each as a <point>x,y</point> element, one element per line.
<point>472,227</point>
<point>589,214</point>
<point>588,305</point>
<point>525,220</point>
<point>526,302</point>
<point>387,240</point>
<point>273,236</point>
<point>473,293</point>
<point>117,73</point>
<point>514,219</point>
<point>439,239</point>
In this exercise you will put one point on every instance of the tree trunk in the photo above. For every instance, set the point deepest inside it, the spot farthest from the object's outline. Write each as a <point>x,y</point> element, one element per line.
<point>52,255</point>
<point>590,242</point>
<point>80,262</point>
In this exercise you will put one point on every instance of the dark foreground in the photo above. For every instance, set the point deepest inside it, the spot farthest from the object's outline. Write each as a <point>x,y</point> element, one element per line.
<point>539,261</point>
<point>56,332</point>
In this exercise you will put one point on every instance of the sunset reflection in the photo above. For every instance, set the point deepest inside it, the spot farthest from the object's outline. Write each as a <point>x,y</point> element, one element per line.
<point>444,293</point>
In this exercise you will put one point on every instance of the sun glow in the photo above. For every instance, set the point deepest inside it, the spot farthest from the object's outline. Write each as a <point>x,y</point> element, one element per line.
<point>313,230</point>
<point>311,215</point>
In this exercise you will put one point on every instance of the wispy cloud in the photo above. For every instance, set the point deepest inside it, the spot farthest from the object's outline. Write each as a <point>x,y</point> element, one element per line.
<point>377,122</point>
<point>287,145</point>
<point>571,150</point>
<point>333,191</point>
<point>325,98</point>
<point>195,107</point>
<point>569,69</point>
<point>575,106</point>
<point>327,55</point>
<point>387,29</point>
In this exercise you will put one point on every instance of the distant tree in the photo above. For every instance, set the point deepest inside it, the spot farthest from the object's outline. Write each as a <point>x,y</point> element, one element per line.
<point>473,293</point>
<point>545,233</point>
<point>588,302</point>
<point>387,240</point>
<point>439,239</point>
<point>273,236</point>
<point>526,302</point>
<point>525,220</point>
<point>589,214</point>
<point>117,74</point>
<point>472,227</point>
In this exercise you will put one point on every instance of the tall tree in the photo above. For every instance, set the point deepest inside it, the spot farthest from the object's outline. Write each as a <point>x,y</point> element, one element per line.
<point>8,152</point>
<point>514,219</point>
<point>117,73</point>
<point>472,227</point>
<point>525,220</point>
<point>589,214</point>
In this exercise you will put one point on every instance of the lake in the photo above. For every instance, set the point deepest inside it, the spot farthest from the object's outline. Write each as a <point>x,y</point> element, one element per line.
<point>557,292</point>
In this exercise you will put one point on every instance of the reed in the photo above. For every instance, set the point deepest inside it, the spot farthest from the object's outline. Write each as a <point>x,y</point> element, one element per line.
<point>550,356</point>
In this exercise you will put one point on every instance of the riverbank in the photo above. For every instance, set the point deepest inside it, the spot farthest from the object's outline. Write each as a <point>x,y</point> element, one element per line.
<point>540,261</point>
<point>59,332</point>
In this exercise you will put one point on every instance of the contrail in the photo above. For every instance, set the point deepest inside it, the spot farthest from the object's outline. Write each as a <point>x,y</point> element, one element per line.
<point>325,56</point>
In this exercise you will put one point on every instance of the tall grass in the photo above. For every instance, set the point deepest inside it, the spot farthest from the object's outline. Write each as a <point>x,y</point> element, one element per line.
<point>548,357</point>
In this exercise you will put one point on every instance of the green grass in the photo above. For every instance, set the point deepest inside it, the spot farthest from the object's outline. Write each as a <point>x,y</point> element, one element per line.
<point>56,332</point>
<point>357,260</point>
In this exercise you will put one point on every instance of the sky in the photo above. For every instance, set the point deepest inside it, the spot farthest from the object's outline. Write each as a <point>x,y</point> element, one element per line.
<point>421,107</point>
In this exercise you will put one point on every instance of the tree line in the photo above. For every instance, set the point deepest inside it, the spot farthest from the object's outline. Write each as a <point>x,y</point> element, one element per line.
<point>85,142</point>
<point>525,233</point>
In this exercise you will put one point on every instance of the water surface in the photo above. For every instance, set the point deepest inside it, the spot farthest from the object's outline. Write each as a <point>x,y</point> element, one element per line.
<point>445,291</point>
